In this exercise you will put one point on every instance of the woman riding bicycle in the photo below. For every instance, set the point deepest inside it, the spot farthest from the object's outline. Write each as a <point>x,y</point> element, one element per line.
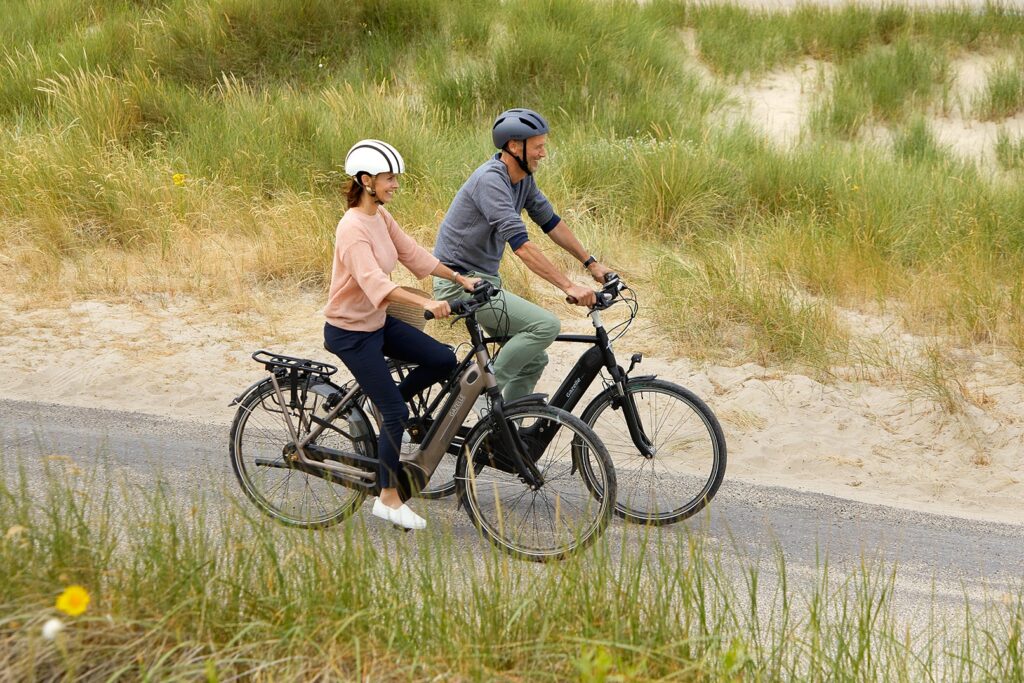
<point>368,244</point>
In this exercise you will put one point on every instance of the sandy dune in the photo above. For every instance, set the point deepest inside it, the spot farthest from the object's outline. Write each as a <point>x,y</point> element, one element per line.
<point>865,440</point>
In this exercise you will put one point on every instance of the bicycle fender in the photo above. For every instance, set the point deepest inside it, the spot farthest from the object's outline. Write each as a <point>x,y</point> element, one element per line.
<point>613,393</point>
<point>241,397</point>
<point>324,388</point>
<point>529,399</point>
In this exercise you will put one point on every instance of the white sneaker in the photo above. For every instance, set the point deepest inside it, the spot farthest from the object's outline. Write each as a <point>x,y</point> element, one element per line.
<point>403,516</point>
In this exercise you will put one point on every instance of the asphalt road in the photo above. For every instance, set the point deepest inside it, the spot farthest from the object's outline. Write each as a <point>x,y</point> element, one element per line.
<point>941,561</point>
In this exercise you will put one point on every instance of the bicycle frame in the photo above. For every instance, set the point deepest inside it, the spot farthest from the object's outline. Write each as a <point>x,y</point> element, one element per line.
<point>472,376</point>
<point>600,355</point>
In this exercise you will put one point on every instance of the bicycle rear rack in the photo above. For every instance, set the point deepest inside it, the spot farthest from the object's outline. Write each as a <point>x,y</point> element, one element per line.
<point>275,362</point>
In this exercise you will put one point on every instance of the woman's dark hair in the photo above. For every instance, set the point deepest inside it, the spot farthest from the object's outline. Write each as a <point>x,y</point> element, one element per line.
<point>353,192</point>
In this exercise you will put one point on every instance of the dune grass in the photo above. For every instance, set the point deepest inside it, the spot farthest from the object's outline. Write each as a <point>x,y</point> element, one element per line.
<point>195,147</point>
<point>737,41</point>
<point>1009,152</point>
<point>1003,94</point>
<point>186,588</point>
<point>882,84</point>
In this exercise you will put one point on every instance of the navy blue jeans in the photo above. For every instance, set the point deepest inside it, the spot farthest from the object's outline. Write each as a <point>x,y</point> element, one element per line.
<point>363,353</point>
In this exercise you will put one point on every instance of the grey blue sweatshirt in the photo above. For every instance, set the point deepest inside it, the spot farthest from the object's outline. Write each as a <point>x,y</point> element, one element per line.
<point>485,216</point>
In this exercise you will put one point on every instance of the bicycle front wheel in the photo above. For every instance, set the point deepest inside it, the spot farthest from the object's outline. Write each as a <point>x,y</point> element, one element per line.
<point>260,446</point>
<point>688,464</point>
<point>565,514</point>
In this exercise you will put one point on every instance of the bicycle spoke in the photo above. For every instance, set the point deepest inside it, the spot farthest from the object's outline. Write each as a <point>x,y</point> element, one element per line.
<point>285,493</point>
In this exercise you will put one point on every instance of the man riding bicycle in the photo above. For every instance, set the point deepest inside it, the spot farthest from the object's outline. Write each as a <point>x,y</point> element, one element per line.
<point>483,217</point>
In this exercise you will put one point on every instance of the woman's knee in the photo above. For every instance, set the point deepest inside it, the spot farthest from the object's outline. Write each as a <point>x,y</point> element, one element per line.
<point>442,360</point>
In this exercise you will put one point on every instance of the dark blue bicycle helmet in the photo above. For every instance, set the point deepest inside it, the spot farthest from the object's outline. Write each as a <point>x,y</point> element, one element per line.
<point>517,124</point>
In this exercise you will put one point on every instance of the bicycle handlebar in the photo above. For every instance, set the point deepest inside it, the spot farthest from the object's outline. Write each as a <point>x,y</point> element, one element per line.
<point>482,293</point>
<point>606,295</point>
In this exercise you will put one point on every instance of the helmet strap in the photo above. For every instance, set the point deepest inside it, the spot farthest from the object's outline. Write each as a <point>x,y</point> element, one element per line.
<point>369,190</point>
<point>521,161</point>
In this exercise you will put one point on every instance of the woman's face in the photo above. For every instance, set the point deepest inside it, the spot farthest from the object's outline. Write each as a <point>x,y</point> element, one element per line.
<point>385,185</point>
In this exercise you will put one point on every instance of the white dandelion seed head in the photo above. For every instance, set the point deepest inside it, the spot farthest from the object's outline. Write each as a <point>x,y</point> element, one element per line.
<point>52,627</point>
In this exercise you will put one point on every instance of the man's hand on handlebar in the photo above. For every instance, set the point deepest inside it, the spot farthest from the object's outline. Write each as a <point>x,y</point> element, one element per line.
<point>437,309</point>
<point>601,299</point>
<point>468,283</point>
<point>580,295</point>
<point>598,271</point>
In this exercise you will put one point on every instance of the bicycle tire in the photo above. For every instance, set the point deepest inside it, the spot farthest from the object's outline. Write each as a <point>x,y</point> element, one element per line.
<point>291,496</point>
<point>563,516</point>
<point>690,452</point>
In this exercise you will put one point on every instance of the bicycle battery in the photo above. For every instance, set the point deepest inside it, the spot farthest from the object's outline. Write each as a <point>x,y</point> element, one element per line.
<point>418,466</point>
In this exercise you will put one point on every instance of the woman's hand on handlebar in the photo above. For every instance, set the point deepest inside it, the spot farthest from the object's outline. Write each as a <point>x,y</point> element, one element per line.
<point>437,309</point>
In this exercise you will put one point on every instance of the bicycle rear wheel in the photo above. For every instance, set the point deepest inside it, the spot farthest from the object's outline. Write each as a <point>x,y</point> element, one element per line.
<point>562,516</point>
<point>259,448</point>
<point>688,465</point>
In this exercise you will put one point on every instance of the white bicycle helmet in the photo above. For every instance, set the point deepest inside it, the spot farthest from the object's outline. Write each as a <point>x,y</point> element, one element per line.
<point>373,157</point>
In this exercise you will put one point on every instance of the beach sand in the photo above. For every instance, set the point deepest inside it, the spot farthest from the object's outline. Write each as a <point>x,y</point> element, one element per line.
<point>865,439</point>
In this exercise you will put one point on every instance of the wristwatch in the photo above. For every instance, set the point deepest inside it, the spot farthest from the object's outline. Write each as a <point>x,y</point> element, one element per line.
<point>590,259</point>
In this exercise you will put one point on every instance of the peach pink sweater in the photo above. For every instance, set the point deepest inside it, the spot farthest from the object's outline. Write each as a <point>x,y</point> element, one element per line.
<point>365,252</point>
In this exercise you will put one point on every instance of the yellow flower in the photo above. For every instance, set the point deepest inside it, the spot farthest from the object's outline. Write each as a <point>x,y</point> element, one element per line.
<point>179,179</point>
<point>73,601</point>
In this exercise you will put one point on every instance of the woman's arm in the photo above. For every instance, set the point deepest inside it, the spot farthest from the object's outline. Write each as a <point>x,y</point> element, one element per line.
<point>440,309</point>
<point>445,273</point>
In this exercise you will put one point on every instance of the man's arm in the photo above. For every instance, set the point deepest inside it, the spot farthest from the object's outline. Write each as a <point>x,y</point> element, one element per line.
<point>536,261</point>
<point>564,237</point>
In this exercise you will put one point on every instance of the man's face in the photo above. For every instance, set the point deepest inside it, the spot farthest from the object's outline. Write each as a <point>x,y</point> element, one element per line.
<point>536,149</point>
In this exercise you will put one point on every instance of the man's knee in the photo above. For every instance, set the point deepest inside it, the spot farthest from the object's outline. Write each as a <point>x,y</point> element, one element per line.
<point>547,327</point>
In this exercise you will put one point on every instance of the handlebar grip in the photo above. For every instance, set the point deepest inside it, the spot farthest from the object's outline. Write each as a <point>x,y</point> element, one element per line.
<point>458,308</point>
<point>570,300</point>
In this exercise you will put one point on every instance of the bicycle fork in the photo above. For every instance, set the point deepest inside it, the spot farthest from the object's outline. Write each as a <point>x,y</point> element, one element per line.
<point>513,444</point>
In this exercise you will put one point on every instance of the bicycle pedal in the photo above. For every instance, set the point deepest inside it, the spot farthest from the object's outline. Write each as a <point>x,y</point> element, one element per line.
<point>401,528</point>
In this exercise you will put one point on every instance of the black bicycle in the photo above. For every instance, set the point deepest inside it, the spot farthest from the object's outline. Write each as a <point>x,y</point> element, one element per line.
<point>534,479</point>
<point>666,444</point>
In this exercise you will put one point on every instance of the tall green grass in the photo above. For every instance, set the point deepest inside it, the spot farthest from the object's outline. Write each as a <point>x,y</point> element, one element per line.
<point>1009,152</point>
<point>196,588</point>
<point>882,84</point>
<point>736,40</point>
<point>254,104</point>
<point>1003,94</point>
